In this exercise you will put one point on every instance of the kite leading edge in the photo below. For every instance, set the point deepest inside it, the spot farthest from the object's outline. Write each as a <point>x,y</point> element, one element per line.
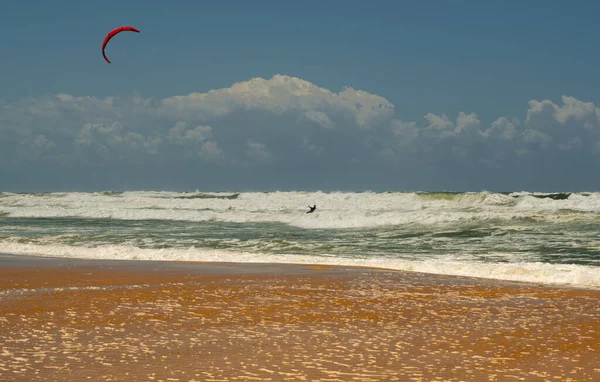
<point>114,32</point>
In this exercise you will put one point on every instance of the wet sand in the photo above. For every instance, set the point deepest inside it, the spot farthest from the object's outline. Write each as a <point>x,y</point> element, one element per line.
<point>82,320</point>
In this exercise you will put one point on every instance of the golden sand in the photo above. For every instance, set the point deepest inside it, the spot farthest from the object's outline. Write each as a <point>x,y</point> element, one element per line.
<point>208,322</point>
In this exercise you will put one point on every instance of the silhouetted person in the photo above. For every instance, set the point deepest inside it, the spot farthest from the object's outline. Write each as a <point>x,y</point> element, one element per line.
<point>312,209</point>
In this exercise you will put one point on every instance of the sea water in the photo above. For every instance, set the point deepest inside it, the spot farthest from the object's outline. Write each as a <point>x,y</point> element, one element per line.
<point>520,236</point>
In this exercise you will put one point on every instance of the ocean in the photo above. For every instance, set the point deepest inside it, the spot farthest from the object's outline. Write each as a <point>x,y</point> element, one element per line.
<point>546,238</point>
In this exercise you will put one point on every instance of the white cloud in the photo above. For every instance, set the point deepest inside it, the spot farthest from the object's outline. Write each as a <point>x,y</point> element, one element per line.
<point>198,142</point>
<point>311,147</point>
<point>436,122</point>
<point>34,148</point>
<point>320,118</point>
<point>572,144</point>
<point>405,131</point>
<point>112,142</point>
<point>279,95</point>
<point>572,125</point>
<point>289,123</point>
<point>503,129</point>
<point>139,143</point>
<point>551,133</point>
<point>467,124</point>
<point>210,150</point>
<point>537,138</point>
<point>182,134</point>
<point>258,152</point>
<point>42,142</point>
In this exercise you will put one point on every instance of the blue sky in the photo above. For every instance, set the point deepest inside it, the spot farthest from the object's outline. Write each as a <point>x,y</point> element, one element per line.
<point>438,57</point>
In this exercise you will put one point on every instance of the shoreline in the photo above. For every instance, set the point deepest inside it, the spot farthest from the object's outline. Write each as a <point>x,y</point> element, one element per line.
<point>24,260</point>
<point>79,319</point>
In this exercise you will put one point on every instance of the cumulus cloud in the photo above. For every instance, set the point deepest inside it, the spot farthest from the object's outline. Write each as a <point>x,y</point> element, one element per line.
<point>563,126</point>
<point>31,149</point>
<point>259,152</point>
<point>197,141</point>
<point>113,143</point>
<point>502,129</point>
<point>320,118</point>
<point>291,126</point>
<point>279,95</point>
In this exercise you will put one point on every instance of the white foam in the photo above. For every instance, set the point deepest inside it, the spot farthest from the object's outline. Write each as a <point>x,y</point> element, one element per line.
<point>334,210</point>
<point>574,275</point>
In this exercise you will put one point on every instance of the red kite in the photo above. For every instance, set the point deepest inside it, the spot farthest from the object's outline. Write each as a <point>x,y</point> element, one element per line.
<point>112,34</point>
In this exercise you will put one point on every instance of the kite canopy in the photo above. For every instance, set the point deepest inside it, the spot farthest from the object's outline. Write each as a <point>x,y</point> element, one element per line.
<point>112,34</point>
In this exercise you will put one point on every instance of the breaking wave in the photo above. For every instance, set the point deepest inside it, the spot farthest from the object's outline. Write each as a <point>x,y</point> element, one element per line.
<point>334,210</point>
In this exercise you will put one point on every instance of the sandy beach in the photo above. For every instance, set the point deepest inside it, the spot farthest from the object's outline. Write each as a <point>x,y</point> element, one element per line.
<point>81,320</point>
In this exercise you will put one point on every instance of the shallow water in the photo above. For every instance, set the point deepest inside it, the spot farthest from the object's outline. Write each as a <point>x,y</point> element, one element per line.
<point>546,238</point>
